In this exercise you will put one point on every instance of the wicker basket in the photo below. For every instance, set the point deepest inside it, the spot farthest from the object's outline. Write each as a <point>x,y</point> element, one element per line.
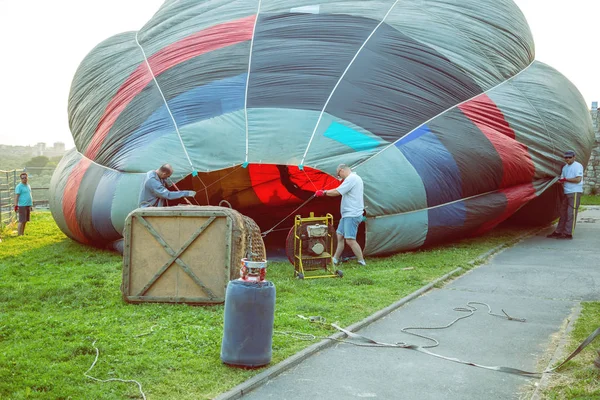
<point>186,254</point>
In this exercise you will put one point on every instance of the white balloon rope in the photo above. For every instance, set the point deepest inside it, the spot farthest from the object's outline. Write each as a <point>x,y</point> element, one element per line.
<point>194,172</point>
<point>442,113</point>
<point>248,77</point>
<point>265,233</point>
<point>342,77</point>
<point>164,99</point>
<point>111,379</point>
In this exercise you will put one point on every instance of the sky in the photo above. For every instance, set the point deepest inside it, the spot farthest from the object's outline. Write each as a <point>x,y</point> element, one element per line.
<point>42,43</point>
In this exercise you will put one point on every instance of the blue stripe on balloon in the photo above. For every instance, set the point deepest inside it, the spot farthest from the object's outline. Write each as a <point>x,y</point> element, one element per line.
<point>357,141</point>
<point>417,133</point>
<point>453,214</point>
<point>102,204</point>
<point>201,103</point>
<point>434,164</point>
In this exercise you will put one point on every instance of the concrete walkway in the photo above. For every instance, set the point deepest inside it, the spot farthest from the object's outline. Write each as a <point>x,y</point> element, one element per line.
<point>542,280</point>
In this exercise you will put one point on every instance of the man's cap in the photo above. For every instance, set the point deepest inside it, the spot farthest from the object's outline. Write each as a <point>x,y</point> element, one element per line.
<point>569,153</point>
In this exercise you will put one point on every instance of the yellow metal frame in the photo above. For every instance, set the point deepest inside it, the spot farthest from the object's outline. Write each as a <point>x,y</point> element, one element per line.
<point>299,269</point>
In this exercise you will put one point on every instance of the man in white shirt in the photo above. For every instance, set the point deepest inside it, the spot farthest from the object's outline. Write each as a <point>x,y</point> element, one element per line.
<point>352,192</point>
<point>572,180</point>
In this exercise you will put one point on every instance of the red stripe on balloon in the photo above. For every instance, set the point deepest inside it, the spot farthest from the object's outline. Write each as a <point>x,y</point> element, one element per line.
<point>517,165</point>
<point>202,42</point>
<point>69,203</point>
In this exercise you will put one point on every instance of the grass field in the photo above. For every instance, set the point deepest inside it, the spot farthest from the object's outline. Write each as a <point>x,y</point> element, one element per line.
<point>590,200</point>
<point>579,379</point>
<point>57,297</point>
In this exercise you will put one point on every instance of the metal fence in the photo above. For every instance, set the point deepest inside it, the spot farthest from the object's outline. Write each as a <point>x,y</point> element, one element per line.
<point>7,199</point>
<point>39,179</point>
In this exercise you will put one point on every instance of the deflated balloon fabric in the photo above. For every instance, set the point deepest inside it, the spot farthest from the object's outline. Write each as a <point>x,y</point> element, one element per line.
<point>439,105</point>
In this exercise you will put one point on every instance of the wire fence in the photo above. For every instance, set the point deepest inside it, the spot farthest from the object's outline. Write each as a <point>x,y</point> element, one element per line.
<point>7,190</point>
<point>39,180</point>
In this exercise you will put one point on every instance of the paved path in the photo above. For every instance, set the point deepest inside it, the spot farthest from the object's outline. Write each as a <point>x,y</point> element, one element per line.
<point>539,279</point>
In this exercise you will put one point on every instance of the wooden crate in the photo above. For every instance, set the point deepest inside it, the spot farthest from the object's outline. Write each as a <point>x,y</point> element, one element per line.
<point>184,254</point>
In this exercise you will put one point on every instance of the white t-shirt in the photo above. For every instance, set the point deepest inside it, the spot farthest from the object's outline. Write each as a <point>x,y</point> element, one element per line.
<point>572,171</point>
<point>352,191</point>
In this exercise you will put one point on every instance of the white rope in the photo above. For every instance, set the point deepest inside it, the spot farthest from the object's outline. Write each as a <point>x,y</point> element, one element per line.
<point>111,379</point>
<point>478,47</point>
<point>550,183</point>
<point>342,77</point>
<point>220,179</point>
<point>248,77</point>
<point>310,180</point>
<point>265,233</point>
<point>164,100</point>
<point>436,206</point>
<point>442,113</point>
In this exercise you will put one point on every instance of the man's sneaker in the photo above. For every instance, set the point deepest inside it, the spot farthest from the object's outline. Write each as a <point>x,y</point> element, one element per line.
<point>335,261</point>
<point>362,262</point>
<point>553,235</point>
<point>569,237</point>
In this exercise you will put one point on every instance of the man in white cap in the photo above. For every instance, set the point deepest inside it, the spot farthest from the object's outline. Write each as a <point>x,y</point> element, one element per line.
<point>572,181</point>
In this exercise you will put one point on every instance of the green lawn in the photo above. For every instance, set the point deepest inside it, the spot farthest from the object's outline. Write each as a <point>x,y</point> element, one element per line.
<point>590,200</point>
<point>57,297</point>
<point>579,378</point>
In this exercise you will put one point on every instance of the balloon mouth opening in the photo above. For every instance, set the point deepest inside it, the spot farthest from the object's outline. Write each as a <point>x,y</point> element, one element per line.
<point>270,194</point>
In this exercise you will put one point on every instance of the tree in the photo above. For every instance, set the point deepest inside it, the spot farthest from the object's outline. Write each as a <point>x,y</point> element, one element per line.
<point>37,162</point>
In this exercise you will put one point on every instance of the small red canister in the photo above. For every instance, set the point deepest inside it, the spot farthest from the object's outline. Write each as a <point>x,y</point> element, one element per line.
<point>253,271</point>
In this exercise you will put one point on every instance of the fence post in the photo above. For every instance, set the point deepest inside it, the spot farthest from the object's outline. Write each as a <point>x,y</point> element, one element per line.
<point>14,185</point>
<point>1,216</point>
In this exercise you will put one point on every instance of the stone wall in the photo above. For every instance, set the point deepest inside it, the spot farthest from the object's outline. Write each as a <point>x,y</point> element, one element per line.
<point>591,179</point>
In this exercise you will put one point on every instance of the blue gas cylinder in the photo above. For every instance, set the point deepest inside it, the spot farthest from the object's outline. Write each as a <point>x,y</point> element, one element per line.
<point>248,324</point>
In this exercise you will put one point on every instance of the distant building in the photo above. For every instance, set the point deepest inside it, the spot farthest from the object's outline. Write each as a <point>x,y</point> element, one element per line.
<point>40,149</point>
<point>59,147</point>
<point>57,150</point>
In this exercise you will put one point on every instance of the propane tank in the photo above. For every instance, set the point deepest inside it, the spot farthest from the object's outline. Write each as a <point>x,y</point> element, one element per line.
<point>249,316</point>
